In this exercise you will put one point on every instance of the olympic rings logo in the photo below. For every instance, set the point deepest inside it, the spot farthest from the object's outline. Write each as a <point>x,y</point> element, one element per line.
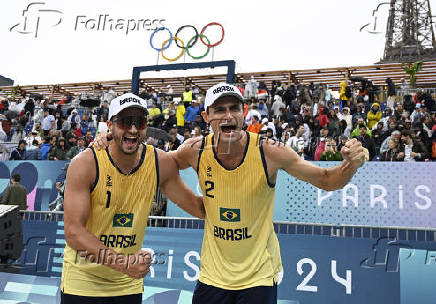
<point>191,42</point>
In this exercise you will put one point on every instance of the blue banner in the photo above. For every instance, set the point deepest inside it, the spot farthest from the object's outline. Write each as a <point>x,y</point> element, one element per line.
<point>389,194</point>
<point>380,194</point>
<point>316,268</point>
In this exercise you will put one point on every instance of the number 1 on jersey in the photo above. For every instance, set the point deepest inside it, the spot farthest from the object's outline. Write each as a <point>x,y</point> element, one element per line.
<point>108,199</point>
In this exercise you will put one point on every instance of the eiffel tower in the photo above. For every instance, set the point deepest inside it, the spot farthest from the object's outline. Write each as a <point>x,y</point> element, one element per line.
<point>409,36</point>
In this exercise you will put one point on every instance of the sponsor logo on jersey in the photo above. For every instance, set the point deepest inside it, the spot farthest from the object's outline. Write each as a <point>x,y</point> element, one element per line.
<point>108,180</point>
<point>122,220</point>
<point>230,215</point>
<point>231,234</point>
<point>209,171</point>
<point>118,240</point>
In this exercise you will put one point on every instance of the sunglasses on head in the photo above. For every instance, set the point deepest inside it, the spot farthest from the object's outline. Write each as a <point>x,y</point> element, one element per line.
<point>126,122</point>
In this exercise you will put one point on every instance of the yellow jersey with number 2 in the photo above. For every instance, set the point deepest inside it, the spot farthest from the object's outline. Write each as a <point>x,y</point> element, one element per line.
<point>240,248</point>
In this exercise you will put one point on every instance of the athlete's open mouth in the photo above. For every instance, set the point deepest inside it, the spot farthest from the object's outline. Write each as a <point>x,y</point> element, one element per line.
<point>131,140</point>
<point>228,128</point>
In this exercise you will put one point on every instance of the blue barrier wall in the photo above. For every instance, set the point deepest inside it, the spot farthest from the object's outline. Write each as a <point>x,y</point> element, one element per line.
<point>39,178</point>
<point>367,268</point>
<point>380,194</point>
<point>390,266</point>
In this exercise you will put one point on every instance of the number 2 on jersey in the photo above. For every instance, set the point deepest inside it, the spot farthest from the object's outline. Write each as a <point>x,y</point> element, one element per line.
<point>209,187</point>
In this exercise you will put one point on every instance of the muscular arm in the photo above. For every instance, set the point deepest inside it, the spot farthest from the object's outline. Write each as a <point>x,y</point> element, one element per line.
<point>77,202</point>
<point>329,179</point>
<point>175,189</point>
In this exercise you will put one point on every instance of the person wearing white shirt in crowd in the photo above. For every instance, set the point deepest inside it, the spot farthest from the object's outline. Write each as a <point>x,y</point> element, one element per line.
<point>195,91</point>
<point>405,86</point>
<point>277,105</point>
<point>18,135</point>
<point>48,123</point>
<point>384,120</point>
<point>307,132</point>
<point>345,115</point>
<point>268,125</point>
<point>328,94</point>
<point>66,126</point>
<point>16,106</point>
<point>285,137</point>
<point>32,136</point>
<point>251,88</point>
<point>170,90</point>
<point>315,108</point>
<point>253,111</point>
<point>417,113</point>
<point>297,142</point>
<point>3,135</point>
<point>74,118</point>
<point>109,95</point>
<point>38,116</point>
<point>413,150</point>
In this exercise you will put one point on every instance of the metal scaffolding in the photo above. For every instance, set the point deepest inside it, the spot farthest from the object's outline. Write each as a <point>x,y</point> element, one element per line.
<point>409,35</point>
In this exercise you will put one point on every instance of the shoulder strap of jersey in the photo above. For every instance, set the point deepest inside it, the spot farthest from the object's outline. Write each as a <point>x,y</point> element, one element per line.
<point>200,152</point>
<point>156,161</point>
<point>97,170</point>
<point>265,167</point>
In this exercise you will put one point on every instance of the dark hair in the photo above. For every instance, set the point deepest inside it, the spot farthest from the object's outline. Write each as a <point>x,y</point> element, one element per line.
<point>35,142</point>
<point>22,141</point>
<point>407,133</point>
<point>16,177</point>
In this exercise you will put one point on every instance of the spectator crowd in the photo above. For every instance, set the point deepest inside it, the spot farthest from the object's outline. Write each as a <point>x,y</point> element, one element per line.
<point>312,119</point>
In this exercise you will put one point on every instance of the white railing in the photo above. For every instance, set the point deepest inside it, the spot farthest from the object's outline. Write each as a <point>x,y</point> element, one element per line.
<point>342,231</point>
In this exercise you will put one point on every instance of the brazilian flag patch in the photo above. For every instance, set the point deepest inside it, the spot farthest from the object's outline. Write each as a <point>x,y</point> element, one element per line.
<point>230,215</point>
<point>122,220</point>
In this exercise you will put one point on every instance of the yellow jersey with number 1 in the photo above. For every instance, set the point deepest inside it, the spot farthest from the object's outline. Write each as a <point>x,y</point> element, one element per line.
<point>240,248</point>
<point>120,205</point>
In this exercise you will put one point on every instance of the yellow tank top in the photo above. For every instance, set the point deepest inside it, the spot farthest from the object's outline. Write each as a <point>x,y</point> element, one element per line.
<point>240,248</point>
<point>120,205</point>
<point>180,115</point>
<point>187,96</point>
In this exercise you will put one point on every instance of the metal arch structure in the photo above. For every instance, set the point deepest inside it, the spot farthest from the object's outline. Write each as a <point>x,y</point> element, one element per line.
<point>409,35</point>
<point>230,64</point>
